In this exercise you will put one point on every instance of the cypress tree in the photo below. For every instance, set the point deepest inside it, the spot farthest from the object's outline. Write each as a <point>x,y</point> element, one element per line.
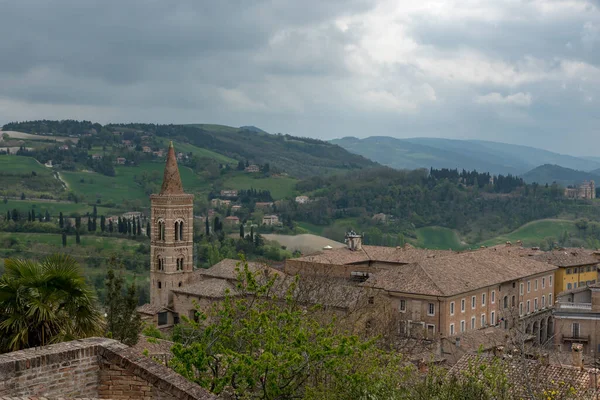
<point>102,223</point>
<point>251,233</point>
<point>95,212</point>
<point>47,217</point>
<point>139,227</point>
<point>129,227</point>
<point>148,229</point>
<point>40,218</point>
<point>134,227</point>
<point>216,224</point>
<point>28,216</point>
<point>94,224</point>
<point>61,221</point>
<point>77,223</point>
<point>110,226</point>
<point>89,224</point>
<point>242,231</point>
<point>77,237</point>
<point>64,239</point>
<point>7,215</point>
<point>207,227</point>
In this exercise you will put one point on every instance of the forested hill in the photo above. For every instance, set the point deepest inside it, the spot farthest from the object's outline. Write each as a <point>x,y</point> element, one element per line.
<point>563,176</point>
<point>297,156</point>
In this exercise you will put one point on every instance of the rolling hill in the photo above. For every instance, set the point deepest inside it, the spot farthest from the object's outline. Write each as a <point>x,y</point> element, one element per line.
<point>493,157</point>
<point>555,173</point>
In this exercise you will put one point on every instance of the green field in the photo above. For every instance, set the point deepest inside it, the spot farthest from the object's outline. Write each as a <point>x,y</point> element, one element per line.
<point>200,152</point>
<point>534,232</point>
<point>20,165</point>
<point>280,187</point>
<point>54,208</point>
<point>439,238</point>
<point>90,242</point>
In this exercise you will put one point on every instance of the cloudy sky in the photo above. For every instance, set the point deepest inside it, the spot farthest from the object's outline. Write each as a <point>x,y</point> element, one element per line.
<point>525,72</point>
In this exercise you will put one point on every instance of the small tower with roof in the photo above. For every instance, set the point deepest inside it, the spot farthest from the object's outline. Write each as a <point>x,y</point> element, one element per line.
<point>171,239</point>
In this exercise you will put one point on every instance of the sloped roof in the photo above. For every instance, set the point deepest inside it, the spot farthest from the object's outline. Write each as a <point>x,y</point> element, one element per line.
<point>228,269</point>
<point>457,273</point>
<point>567,258</point>
<point>212,287</point>
<point>400,255</point>
<point>171,179</point>
<point>150,309</point>
<point>524,374</point>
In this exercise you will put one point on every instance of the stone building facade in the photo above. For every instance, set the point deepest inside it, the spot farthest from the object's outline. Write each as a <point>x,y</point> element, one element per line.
<point>587,190</point>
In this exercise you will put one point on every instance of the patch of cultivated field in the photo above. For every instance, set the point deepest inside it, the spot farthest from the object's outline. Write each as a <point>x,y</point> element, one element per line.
<point>305,243</point>
<point>29,136</point>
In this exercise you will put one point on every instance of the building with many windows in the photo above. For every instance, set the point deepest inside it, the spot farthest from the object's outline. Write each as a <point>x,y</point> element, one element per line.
<point>576,268</point>
<point>577,316</point>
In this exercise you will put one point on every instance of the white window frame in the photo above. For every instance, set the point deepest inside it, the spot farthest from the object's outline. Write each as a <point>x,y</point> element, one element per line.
<point>427,328</point>
<point>463,326</point>
<point>521,288</point>
<point>473,323</point>
<point>429,307</point>
<point>402,302</point>
<point>543,302</point>
<point>493,297</point>
<point>521,308</point>
<point>452,306</point>
<point>483,299</point>
<point>550,281</point>
<point>535,304</point>
<point>528,306</point>
<point>550,300</point>
<point>528,286</point>
<point>483,320</point>
<point>535,285</point>
<point>451,329</point>
<point>493,318</point>
<point>543,282</point>
<point>473,302</point>
<point>463,305</point>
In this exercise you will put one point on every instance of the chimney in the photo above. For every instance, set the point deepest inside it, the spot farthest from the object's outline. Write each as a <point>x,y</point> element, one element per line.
<point>577,353</point>
<point>593,377</point>
<point>354,241</point>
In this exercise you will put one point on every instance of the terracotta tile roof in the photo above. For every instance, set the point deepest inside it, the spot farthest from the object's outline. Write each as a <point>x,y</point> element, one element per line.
<point>401,255</point>
<point>457,273</point>
<point>525,375</point>
<point>214,288</point>
<point>514,250</point>
<point>153,345</point>
<point>171,179</point>
<point>567,258</point>
<point>150,309</point>
<point>226,269</point>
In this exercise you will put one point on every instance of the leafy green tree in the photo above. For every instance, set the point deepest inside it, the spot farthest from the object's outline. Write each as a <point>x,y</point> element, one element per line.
<point>253,347</point>
<point>45,302</point>
<point>122,321</point>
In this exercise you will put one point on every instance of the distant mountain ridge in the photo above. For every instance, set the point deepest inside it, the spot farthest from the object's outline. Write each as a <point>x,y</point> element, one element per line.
<point>480,155</point>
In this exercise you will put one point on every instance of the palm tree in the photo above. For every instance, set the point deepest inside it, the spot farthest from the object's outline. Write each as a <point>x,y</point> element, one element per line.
<point>45,302</point>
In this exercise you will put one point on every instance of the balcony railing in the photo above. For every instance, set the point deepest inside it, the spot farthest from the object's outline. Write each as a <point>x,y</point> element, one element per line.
<point>576,339</point>
<point>574,306</point>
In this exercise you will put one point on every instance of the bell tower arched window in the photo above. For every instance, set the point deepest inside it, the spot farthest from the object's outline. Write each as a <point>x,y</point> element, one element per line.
<point>161,230</point>
<point>179,230</point>
<point>160,263</point>
<point>180,261</point>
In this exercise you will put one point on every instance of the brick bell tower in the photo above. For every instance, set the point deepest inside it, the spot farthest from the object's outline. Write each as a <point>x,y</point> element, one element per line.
<point>171,239</point>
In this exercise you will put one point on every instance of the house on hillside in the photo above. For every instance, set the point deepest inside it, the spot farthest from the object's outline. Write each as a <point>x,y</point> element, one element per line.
<point>64,147</point>
<point>121,160</point>
<point>146,149</point>
<point>158,153</point>
<point>302,199</point>
<point>236,208</point>
<point>381,217</point>
<point>229,193</point>
<point>270,220</point>
<point>587,190</point>
<point>252,168</point>
<point>220,202</point>
<point>264,205</point>
<point>96,156</point>
<point>232,220</point>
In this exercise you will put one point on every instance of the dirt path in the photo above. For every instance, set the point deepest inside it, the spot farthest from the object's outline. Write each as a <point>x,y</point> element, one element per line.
<point>59,177</point>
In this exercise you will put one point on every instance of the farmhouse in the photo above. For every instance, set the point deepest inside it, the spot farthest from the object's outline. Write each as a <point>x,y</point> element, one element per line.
<point>252,168</point>
<point>270,220</point>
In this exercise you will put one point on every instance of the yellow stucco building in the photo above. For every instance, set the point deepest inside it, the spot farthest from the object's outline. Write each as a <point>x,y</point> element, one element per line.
<point>576,268</point>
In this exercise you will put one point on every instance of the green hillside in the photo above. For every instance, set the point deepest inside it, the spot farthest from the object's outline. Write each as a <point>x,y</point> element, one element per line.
<point>533,233</point>
<point>437,237</point>
<point>555,173</point>
<point>279,186</point>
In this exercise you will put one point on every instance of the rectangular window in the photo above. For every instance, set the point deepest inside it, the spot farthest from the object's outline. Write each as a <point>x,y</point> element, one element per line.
<point>482,320</point>
<point>430,331</point>
<point>535,286</point>
<point>528,286</point>
<point>483,299</point>
<point>473,302</point>
<point>493,297</point>
<point>462,325</point>
<point>535,304</point>
<point>550,281</point>
<point>162,318</point>
<point>493,318</point>
<point>528,306</point>
<point>568,271</point>
<point>452,308</point>
<point>521,308</point>
<point>462,305</point>
<point>543,283</point>
<point>402,305</point>
<point>576,331</point>
<point>451,329</point>
<point>543,301</point>
<point>472,322</point>
<point>550,300</point>
<point>431,309</point>
<point>521,289</point>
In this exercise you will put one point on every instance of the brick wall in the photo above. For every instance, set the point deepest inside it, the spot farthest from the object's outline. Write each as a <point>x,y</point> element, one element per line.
<point>91,368</point>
